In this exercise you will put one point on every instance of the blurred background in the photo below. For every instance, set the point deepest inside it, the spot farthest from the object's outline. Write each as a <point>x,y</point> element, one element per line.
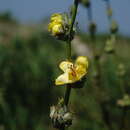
<point>29,58</point>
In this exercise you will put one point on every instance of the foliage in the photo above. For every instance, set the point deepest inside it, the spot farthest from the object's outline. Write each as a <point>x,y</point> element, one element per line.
<point>7,17</point>
<point>27,70</point>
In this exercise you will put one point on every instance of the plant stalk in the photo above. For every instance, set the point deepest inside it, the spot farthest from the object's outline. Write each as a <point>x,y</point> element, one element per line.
<point>74,13</point>
<point>68,48</point>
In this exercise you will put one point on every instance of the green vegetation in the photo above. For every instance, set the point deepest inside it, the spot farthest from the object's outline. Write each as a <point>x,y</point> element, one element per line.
<point>27,70</point>
<point>28,67</point>
<point>7,17</point>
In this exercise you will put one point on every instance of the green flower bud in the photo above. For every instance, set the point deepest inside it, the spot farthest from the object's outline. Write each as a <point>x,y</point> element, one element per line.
<point>92,28</point>
<point>109,12</point>
<point>86,3</point>
<point>114,27</point>
<point>110,45</point>
<point>121,70</point>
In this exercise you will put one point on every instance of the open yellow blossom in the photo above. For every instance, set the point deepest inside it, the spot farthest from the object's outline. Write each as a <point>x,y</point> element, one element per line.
<point>72,72</point>
<point>56,24</point>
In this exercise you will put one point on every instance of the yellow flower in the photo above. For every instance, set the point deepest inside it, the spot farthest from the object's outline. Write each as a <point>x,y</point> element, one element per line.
<point>56,25</point>
<point>55,28</point>
<point>72,72</point>
<point>56,18</point>
<point>59,26</point>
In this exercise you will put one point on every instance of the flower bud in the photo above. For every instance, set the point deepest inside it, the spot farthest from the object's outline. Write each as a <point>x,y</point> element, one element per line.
<point>92,28</point>
<point>114,27</point>
<point>86,3</point>
<point>110,45</point>
<point>109,12</point>
<point>121,70</point>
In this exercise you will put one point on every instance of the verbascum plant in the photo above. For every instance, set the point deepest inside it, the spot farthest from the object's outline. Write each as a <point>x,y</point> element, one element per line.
<point>124,102</point>
<point>111,41</point>
<point>61,26</point>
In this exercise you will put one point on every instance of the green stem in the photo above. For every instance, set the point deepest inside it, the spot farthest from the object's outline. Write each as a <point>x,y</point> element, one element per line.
<point>68,87</point>
<point>68,46</point>
<point>67,95</point>
<point>74,13</point>
<point>108,6</point>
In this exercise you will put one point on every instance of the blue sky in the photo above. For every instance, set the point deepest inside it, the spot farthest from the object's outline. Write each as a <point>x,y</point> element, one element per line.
<point>35,10</point>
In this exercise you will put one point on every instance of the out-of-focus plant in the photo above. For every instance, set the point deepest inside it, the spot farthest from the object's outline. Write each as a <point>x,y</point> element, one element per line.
<point>26,76</point>
<point>7,17</point>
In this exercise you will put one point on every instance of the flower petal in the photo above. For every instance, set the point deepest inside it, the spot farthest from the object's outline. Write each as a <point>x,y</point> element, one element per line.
<point>57,29</point>
<point>81,71</point>
<point>62,79</point>
<point>82,60</point>
<point>65,66</point>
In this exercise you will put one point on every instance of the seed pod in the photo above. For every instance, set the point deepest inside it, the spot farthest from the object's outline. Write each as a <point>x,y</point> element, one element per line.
<point>60,116</point>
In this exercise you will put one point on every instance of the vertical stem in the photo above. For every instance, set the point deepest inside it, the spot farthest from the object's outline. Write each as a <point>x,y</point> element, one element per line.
<point>89,11</point>
<point>122,86</point>
<point>74,13</point>
<point>68,46</point>
<point>67,95</point>
<point>108,6</point>
<point>68,88</point>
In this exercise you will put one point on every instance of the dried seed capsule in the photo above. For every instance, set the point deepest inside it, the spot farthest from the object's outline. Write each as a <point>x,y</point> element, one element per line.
<point>60,116</point>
